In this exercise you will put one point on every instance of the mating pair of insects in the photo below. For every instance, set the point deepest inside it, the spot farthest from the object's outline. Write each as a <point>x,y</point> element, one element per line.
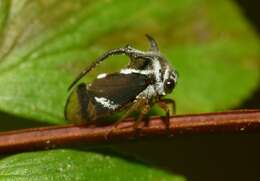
<point>142,83</point>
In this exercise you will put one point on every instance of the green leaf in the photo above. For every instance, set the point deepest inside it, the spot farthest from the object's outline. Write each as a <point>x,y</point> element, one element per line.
<point>76,165</point>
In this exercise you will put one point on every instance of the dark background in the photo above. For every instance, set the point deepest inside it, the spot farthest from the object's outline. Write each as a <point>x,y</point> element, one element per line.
<point>252,12</point>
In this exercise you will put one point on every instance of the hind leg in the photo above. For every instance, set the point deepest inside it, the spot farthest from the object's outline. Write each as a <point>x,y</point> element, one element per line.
<point>139,103</point>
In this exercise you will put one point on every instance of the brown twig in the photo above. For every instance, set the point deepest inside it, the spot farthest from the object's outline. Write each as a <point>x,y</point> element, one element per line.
<point>53,136</point>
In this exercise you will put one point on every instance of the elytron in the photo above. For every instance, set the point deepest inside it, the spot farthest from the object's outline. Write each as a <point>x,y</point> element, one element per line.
<point>145,81</point>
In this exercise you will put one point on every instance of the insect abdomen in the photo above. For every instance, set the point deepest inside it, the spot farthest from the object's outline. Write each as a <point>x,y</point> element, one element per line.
<point>78,105</point>
<point>82,106</point>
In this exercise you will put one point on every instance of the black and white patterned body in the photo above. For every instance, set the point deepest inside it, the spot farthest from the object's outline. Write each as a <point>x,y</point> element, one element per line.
<point>144,81</point>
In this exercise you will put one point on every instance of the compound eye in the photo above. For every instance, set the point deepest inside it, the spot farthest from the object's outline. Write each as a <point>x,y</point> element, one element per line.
<point>169,85</point>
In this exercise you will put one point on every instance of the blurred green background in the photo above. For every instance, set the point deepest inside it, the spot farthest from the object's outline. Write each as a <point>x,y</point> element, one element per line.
<point>214,45</point>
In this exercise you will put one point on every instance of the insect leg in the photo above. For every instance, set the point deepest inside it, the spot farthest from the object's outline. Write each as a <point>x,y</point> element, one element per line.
<point>134,107</point>
<point>139,103</point>
<point>163,103</point>
<point>170,102</point>
<point>145,110</point>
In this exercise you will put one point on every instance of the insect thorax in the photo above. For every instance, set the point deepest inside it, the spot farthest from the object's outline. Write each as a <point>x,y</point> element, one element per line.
<point>156,68</point>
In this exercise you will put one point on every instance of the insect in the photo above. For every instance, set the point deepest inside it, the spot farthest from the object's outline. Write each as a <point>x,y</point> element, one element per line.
<point>141,84</point>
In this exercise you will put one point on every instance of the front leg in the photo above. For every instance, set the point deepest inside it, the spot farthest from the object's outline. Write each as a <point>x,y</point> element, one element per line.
<point>164,104</point>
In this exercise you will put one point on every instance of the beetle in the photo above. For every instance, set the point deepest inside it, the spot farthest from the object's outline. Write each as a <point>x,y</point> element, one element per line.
<point>141,84</point>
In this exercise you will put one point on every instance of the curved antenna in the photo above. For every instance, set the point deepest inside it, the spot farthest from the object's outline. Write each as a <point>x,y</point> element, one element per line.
<point>153,43</point>
<point>101,58</point>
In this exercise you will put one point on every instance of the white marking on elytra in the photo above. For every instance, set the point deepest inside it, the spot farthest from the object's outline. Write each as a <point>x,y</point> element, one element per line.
<point>100,76</point>
<point>106,103</point>
<point>130,71</point>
